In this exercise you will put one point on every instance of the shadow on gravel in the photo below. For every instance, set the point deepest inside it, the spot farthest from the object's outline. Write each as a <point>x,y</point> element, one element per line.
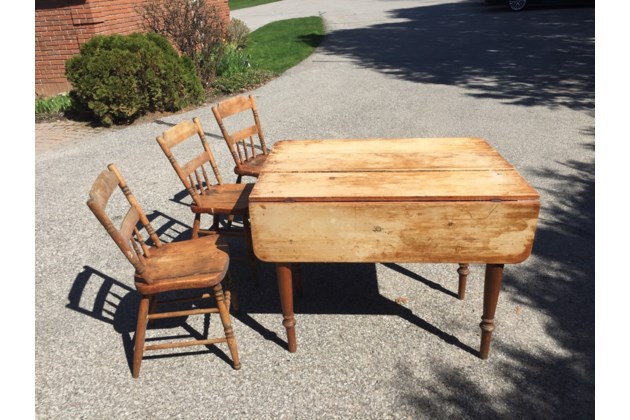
<point>540,57</point>
<point>106,299</point>
<point>542,383</point>
<point>331,288</point>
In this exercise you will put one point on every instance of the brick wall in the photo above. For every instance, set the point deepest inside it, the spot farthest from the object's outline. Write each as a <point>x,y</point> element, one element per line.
<point>61,26</point>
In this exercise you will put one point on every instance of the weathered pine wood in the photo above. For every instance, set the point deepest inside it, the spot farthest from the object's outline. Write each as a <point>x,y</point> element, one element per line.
<point>285,285</point>
<point>210,195</point>
<point>439,232</point>
<point>231,199</point>
<point>246,145</point>
<point>463,271</point>
<point>451,200</point>
<point>233,106</point>
<point>387,162</point>
<point>179,344</point>
<point>103,188</point>
<point>244,134</point>
<point>395,186</point>
<point>382,145</point>
<point>492,287</point>
<point>195,264</point>
<point>178,133</point>
<point>384,155</point>
<point>173,314</point>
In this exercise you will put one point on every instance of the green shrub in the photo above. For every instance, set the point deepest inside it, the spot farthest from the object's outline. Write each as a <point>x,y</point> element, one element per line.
<point>237,33</point>
<point>54,104</point>
<point>232,61</point>
<point>118,78</point>
<point>239,82</point>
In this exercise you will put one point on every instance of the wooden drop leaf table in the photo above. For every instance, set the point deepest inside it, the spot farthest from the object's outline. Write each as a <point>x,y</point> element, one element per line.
<point>434,200</point>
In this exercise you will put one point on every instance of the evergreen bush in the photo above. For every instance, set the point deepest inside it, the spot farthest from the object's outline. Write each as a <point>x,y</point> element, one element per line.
<point>121,77</point>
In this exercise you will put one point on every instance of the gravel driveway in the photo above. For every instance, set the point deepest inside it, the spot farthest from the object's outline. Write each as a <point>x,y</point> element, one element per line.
<point>375,340</point>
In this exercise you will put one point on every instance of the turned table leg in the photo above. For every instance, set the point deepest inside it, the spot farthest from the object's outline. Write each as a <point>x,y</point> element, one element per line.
<point>285,287</point>
<point>492,286</point>
<point>463,272</point>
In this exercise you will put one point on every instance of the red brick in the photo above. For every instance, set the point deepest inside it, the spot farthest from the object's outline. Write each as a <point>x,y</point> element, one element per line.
<point>64,25</point>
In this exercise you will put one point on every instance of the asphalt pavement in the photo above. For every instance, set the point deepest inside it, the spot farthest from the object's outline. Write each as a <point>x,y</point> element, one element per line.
<point>374,340</point>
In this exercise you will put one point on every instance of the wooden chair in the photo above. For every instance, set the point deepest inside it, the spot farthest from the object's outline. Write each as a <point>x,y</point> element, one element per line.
<point>195,264</point>
<point>249,156</point>
<point>209,196</point>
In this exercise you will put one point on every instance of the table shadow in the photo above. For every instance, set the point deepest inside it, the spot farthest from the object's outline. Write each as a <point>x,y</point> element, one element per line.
<point>330,288</point>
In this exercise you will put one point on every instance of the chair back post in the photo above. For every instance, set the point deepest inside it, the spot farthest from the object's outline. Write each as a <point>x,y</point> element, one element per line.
<point>178,170</point>
<point>100,194</point>
<point>135,204</point>
<point>226,135</point>
<point>206,147</point>
<point>192,174</point>
<point>261,136</point>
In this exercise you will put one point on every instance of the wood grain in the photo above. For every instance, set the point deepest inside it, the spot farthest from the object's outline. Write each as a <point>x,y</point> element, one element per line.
<point>392,200</point>
<point>395,186</point>
<point>384,155</point>
<point>233,106</point>
<point>438,232</point>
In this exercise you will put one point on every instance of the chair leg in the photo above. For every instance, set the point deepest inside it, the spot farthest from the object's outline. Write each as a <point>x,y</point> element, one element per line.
<point>153,304</point>
<point>196,226</point>
<point>239,179</point>
<point>224,313</point>
<point>228,222</point>
<point>141,329</point>
<point>216,222</point>
<point>231,297</point>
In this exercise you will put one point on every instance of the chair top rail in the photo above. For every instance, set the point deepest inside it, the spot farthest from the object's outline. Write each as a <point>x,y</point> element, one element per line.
<point>232,106</point>
<point>177,134</point>
<point>103,188</point>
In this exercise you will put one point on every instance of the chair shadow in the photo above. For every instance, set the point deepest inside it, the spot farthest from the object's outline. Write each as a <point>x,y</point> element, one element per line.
<point>182,197</point>
<point>106,299</point>
<point>169,229</point>
<point>116,303</point>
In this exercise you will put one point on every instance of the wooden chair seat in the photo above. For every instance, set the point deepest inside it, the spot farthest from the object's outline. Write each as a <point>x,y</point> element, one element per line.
<point>209,194</point>
<point>251,167</point>
<point>172,268</point>
<point>224,199</point>
<point>197,264</point>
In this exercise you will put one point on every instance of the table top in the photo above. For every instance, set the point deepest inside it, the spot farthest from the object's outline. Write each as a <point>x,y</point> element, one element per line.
<point>391,200</point>
<point>399,169</point>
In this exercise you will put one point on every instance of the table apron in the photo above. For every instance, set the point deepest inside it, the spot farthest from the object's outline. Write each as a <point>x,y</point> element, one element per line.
<point>439,232</point>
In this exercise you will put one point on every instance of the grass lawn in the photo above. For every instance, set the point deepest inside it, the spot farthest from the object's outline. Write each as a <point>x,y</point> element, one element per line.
<point>281,45</point>
<point>241,4</point>
<point>271,50</point>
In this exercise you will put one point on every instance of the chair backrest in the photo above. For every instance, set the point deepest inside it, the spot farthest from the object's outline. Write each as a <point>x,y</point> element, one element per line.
<point>128,236</point>
<point>241,150</point>
<point>193,174</point>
